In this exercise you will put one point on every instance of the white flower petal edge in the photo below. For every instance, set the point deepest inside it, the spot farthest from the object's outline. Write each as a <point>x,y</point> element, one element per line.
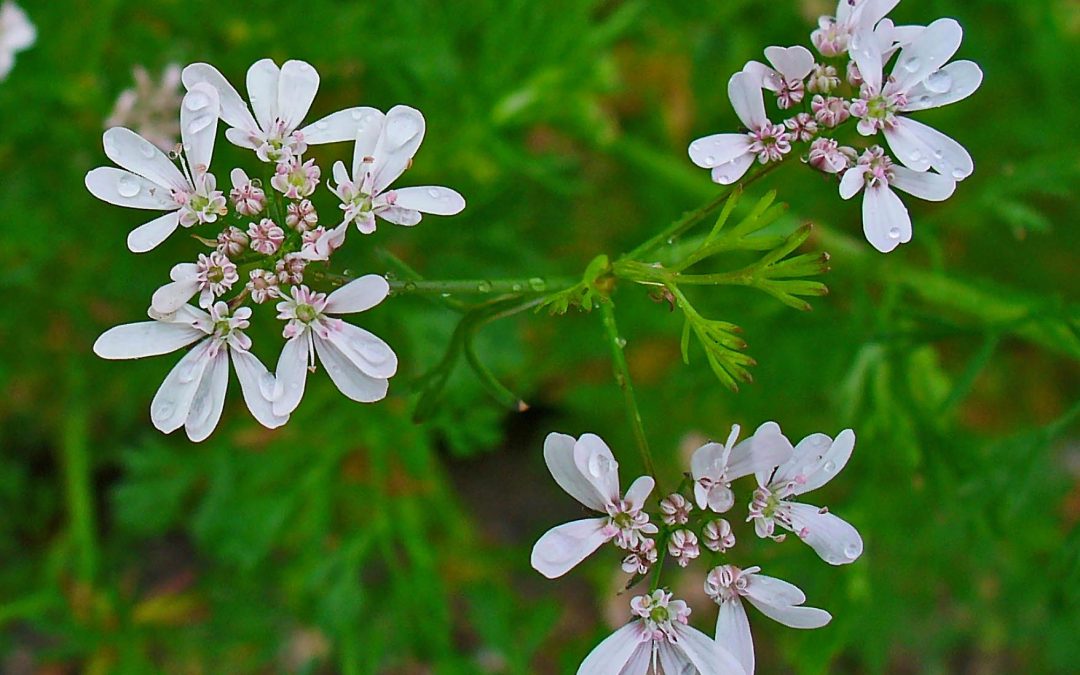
<point>16,34</point>
<point>193,393</point>
<point>714,466</point>
<point>586,469</point>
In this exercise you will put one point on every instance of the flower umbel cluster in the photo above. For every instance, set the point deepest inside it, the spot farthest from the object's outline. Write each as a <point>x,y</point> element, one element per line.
<point>265,240</point>
<point>815,98</point>
<point>660,634</point>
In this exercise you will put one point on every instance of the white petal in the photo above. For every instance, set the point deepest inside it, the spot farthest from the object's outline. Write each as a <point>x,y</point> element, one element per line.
<point>348,376</point>
<point>439,201</point>
<point>124,188</point>
<point>708,656</point>
<point>794,616</point>
<point>262,87</point>
<point>173,295</point>
<point>563,547</point>
<point>233,109</point>
<point>364,350</point>
<point>559,456</point>
<point>146,338</point>
<point>596,463</point>
<point>402,133</point>
<point>733,633</point>
<point>745,94</point>
<point>834,539</point>
<point>639,491</point>
<point>368,131</point>
<point>954,82</point>
<point>866,52</point>
<point>297,86</point>
<point>619,649</point>
<point>923,147</point>
<point>712,151</point>
<point>257,386</point>
<point>672,659</point>
<point>339,127</point>
<point>872,11</point>
<point>851,182</point>
<point>209,399</point>
<point>794,63</point>
<point>816,460</point>
<point>399,216</point>
<point>198,126</point>
<point>923,184</point>
<point>886,223</point>
<point>766,449</point>
<point>720,498</point>
<point>927,53</point>
<point>726,174</point>
<point>241,138</point>
<point>172,402</point>
<point>763,75</point>
<point>774,592</point>
<point>148,235</point>
<point>138,155</point>
<point>704,461</point>
<point>358,295</point>
<point>291,374</point>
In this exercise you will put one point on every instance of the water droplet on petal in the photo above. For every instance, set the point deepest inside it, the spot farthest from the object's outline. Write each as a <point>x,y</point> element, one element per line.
<point>710,159</point>
<point>434,193</point>
<point>164,410</point>
<point>830,466</point>
<point>959,174</point>
<point>187,374</point>
<point>600,465</point>
<point>894,233</point>
<point>148,150</point>
<point>852,551</point>
<point>322,125</point>
<point>127,186</point>
<point>401,130</point>
<point>910,64</point>
<point>357,114</point>
<point>915,156</point>
<point>196,100</point>
<point>199,123</point>
<point>939,81</point>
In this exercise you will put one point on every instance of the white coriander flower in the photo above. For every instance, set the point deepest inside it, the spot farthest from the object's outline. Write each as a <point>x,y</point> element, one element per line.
<point>587,470</point>
<point>210,276</point>
<point>280,99</point>
<point>714,466</point>
<point>730,155</point>
<point>920,80</point>
<point>659,640</point>
<point>834,34</point>
<point>814,462</point>
<point>790,66</point>
<point>149,180</point>
<point>385,145</point>
<point>150,107</point>
<point>727,585</point>
<point>886,222</point>
<point>193,394</point>
<point>16,34</point>
<point>359,363</point>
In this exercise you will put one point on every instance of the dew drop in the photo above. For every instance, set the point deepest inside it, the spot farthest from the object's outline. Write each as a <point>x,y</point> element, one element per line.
<point>357,114</point>
<point>322,125</point>
<point>537,284</point>
<point>268,386</point>
<point>852,551</point>
<point>111,148</point>
<point>484,287</point>
<point>516,288</point>
<point>959,174</point>
<point>148,150</point>
<point>401,130</point>
<point>829,466</point>
<point>600,465</point>
<point>434,193</point>
<point>938,153</point>
<point>164,410</point>
<point>199,123</point>
<point>915,156</point>
<point>710,159</point>
<point>621,342</point>
<point>911,64</point>
<point>127,186</point>
<point>187,374</point>
<point>894,233</point>
<point>939,81</point>
<point>196,100</point>
<point>410,286</point>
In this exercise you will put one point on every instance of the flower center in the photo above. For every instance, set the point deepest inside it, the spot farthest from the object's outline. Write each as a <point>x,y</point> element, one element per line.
<point>306,313</point>
<point>660,615</point>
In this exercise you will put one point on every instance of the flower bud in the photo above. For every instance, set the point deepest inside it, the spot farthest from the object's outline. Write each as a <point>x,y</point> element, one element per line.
<point>232,241</point>
<point>823,79</point>
<point>830,111</point>
<point>262,286</point>
<point>717,536</point>
<point>290,269</point>
<point>266,236</point>
<point>683,546</point>
<point>675,509</point>
<point>302,216</point>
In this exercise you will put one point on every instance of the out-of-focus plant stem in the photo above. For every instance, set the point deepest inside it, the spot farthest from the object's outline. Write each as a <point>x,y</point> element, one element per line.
<point>75,460</point>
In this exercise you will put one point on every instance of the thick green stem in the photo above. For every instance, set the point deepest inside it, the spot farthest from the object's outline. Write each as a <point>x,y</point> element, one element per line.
<point>622,377</point>
<point>75,460</point>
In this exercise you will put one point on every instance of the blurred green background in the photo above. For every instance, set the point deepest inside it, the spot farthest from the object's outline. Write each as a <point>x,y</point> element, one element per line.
<point>355,541</point>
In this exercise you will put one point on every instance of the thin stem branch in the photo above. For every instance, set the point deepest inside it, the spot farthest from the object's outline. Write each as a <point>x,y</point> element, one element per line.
<point>75,459</point>
<point>484,287</point>
<point>622,377</point>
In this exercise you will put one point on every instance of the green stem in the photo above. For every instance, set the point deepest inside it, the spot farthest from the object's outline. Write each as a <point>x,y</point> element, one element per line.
<point>524,286</point>
<point>622,377</point>
<point>75,460</point>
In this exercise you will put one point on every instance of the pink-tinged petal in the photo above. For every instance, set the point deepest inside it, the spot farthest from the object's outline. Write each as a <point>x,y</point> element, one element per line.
<point>257,386</point>
<point>886,223</point>
<point>851,182</point>
<point>141,157</point>
<point>146,338</point>
<point>926,185</point>
<point>298,82</point>
<point>832,538</point>
<point>597,464</point>
<point>149,235</point>
<point>720,498</point>
<point>559,456</point>
<point>730,172</point>
<point>794,63</point>
<point>209,399</point>
<point>866,52</point>
<point>262,87</point>
<point>358,295</point>
<point>628,646</point>
<point>368,131</point>
<point>339,173</point>
<point>745,94</point>
<point>763,75</point>
<point>927,147</point>
<point>402,133</point>
<point>291,374</point>
<point>639,491</point>
<point>233,109</point>
<point>563,547</point>
<point>198,126</point>
<point>672,659</point>
<point>124,188</point>
<point>439,201</point>
<point>348,377</point>
<point>172,402</point>
<point>400,216</point>
<point>701,495</point>
<point>338,127</point>
<point>954,82</point>
<point>364,350</point>
<point>733,633</point>
<point>704,460</point>
<point>765,450</point>
<point>172,296</point>
<point>821,458</point>
<point>707,655</point>
<point>931,50</point>
<point>241,138</point>
<point>712,151</point>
